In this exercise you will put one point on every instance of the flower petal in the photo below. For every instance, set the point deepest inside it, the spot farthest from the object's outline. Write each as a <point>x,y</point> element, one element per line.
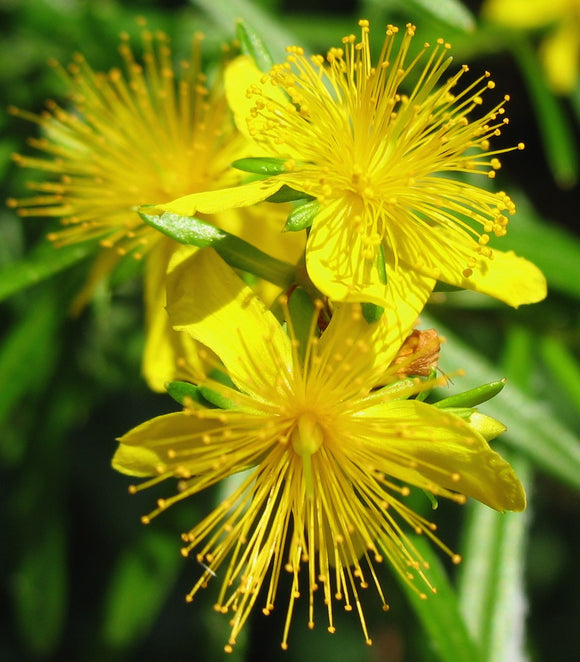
<point>445,255</point>
<point>211,202</point>
<point>336,265</point>
<point>143,450</point>
<point>163,345</point>
<point>181,444</point>
<point>241,74</point>
<point>560,53</point>
<point>368,347</point>
<point>431,448</point>
<point>505,276</point>
<point>209,301</point>
<point>524,13</point>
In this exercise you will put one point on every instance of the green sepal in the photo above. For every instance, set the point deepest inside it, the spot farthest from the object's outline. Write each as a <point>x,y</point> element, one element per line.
<point>261,165</point>
<point>423,394</point>
<point>183,391</point>
<point>474,396</point>
<point>461,412</point>
<point>252,44</point>
<point>288,194</point>
<point>216,399</point>
<point>238,253</point>
<point>301,217</point>
<point>301,310</point>
<point>402,389</point>
<point>371,312</point>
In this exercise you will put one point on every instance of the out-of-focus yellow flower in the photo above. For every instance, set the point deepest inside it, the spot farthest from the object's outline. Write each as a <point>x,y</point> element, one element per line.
<point>127,138</point>
<point>329,443</point>
<point>394,216</point>
<point>560,48</point>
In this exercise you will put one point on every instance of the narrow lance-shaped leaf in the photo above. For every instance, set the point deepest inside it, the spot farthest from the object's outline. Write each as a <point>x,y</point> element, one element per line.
<point>251,43</point>
<point>439,613</point>
<point>452,12</point>
<point>235,251</point>
<point>45,261</point>
<point>492,596</point>
<point>564,366</point>
<point>141,581</point>
<point>555,129</point>
<point>491,591</point>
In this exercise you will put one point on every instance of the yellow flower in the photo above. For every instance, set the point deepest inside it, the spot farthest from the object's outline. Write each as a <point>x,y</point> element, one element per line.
<point>394,216</point>
<point>560,48</point>
<point>150,132</point>
<point>328,444</point>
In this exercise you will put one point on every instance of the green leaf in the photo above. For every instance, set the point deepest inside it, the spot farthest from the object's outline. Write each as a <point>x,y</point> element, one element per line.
<point>302,216</point>
<point>28,352</point>
<point>491,580</point>
<point>40,588</point>
<point>452,12</point>
<point>439,613</point>
<point>533,427</point>
<point>557,133</point>
<point>140,584</point>
<point>45,261</point>
<point>251,43</point>
<point>227,12</point>
<point>236,252</point>
<point>474,396</point>
<point>564,367</point>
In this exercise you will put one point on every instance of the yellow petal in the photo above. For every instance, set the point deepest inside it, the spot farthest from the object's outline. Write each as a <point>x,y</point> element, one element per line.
<point>337,266</point>
<point>427,447</point>
<point>445,255</point>
<point>140,451</point>
<point>172,443</point>
<point>560,54</point>
<point>506,276</point>
<point>211,202</point>
<point>242,75</point>
<point>371,346</point>
<point>209,301</point>
<point>524,13</point>
<point>163,345</point>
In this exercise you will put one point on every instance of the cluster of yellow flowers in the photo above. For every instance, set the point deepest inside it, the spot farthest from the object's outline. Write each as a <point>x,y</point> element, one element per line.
<point>346,173</point>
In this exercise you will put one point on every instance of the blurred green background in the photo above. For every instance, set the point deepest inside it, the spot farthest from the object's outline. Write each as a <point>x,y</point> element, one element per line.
<point>83,580</point>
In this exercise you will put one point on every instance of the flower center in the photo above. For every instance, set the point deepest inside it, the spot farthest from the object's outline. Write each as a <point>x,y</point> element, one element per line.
<point>361,183</point>
<point>307,436</point>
